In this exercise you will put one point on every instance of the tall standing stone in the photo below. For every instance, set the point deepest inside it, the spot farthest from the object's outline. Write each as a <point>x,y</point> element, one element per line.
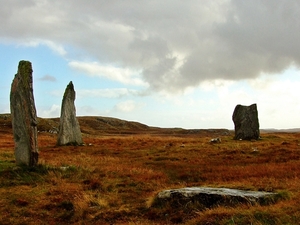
<point>246,123</point>
<point>69,130</point>
<point>23,113</point>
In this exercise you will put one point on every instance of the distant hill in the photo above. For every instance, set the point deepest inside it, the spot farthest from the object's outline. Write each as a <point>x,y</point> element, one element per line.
<point>272,130</point>
<point>99,125</point>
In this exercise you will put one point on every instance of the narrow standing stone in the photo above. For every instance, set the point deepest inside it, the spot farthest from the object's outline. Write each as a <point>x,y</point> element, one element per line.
<point>23,113</point>
<point>69,130</point>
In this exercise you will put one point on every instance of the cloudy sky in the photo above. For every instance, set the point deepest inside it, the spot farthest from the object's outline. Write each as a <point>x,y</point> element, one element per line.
<point>169,63</point>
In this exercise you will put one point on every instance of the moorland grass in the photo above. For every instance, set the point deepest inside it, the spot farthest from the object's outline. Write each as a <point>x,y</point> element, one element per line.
<point>114,179</point>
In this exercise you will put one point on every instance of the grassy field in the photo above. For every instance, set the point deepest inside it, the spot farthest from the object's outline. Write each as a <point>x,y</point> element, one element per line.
<point>114,178</point>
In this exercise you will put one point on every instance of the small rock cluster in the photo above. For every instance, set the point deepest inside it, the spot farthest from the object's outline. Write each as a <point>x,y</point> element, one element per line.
<point>215,140</point>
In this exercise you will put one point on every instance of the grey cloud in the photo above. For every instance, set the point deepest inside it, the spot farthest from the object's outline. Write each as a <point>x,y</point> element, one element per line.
<point>48,78</point>
<point>177,44</point>
<point>160,74</point>
<point>264,33</point>
<point>149,51</point>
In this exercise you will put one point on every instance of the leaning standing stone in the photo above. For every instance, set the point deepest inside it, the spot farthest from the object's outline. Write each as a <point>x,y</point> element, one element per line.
<point>23,113</point>
<point>246,123</point>
<point>69,130</point>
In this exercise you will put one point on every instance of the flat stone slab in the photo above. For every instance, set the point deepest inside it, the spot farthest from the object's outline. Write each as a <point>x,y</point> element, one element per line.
<point>209,197</point>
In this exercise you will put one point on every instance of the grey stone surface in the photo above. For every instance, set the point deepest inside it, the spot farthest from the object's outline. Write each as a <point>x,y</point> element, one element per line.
<point>24,118</point>
<point>246,124</point>
<point>215,140</point>
<point>69,130</point>
<point>209,197</point>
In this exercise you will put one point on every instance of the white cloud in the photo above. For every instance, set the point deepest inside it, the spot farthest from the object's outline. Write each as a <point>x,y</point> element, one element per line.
<point>58,48</point>
<point>33,42</point>
<point>127,106</point>
<point>107,93</point>
<point>277,100</point>
<point>53,111</point>
<point>152,43</point>
<point>122,75</point>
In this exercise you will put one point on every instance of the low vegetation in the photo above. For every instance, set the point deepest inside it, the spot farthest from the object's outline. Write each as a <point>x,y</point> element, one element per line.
<point>114,177</point>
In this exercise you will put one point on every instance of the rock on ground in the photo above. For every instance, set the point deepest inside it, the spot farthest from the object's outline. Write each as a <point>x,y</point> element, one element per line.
<point>207,197</point>
<point>69,130</point>
<point>24,118</point>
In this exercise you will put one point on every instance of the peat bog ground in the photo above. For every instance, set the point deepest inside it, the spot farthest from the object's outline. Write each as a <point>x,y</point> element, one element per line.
<point>115,176</point>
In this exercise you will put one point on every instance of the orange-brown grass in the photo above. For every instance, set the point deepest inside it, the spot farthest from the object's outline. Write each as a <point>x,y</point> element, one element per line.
<point>113,179</point>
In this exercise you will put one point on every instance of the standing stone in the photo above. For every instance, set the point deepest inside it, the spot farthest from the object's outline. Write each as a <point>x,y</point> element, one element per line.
<point>246,123</point>
<point>23,113</point>
<point>69,130</point>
